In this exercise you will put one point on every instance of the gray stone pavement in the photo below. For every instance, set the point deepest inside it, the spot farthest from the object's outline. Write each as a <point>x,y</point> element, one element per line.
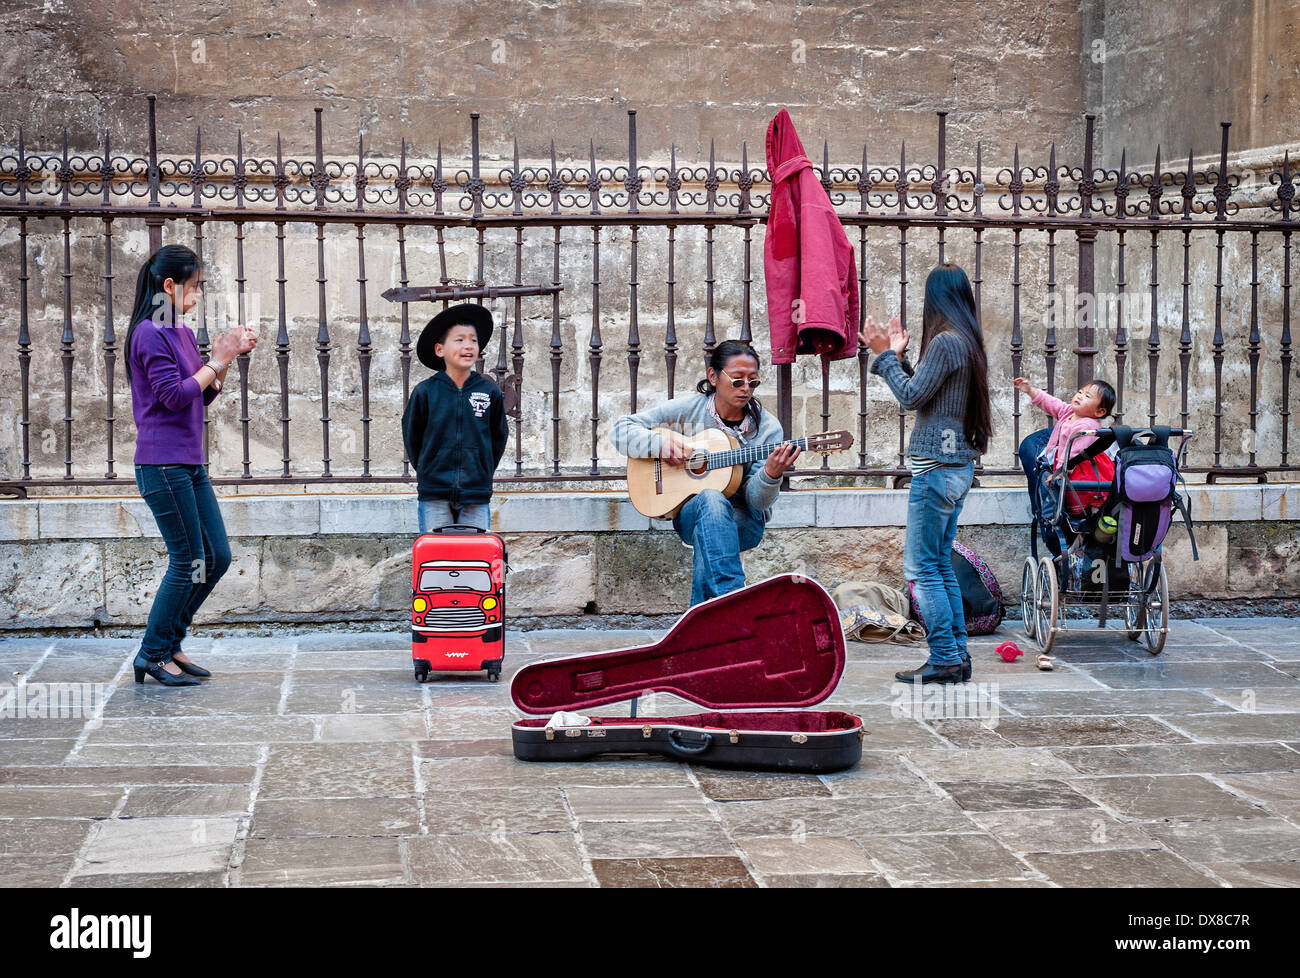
<point>318,760</point>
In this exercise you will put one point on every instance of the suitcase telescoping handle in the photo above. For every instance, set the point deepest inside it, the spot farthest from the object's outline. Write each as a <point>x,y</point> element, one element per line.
<point>690,747</point>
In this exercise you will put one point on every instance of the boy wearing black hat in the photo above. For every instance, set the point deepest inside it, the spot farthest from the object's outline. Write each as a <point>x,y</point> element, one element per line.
<point>455,426</point>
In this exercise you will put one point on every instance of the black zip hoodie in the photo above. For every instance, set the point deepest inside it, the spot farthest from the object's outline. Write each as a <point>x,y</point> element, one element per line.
<point>455,437</point>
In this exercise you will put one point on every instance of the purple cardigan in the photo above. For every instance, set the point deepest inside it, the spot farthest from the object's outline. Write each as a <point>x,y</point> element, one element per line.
<point>165,398</point>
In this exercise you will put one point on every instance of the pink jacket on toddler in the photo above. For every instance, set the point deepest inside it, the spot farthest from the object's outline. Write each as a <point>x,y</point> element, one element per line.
<point>1066,425</point>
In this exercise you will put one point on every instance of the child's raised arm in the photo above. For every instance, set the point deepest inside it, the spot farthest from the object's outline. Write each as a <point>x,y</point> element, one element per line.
<point>1043,400</point>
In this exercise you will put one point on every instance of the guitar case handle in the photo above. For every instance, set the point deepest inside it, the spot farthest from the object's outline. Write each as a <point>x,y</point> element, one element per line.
<point>687,748</point>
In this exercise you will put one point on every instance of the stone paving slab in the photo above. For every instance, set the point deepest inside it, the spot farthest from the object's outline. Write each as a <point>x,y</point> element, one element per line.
<point>39,752</point>
<point>1080,830</point>
<point>943,858</point>
<point>1123,868</point>
<point>502,858</point>
<point>316,759</point>
<point>158,845</point>
<point>336,817</point>
<point>722,872</point>
<point>316,862</point>
<point>26,802</point>
<point>39,871</point>
<point>496,811</point>
<point>1169,796</point>
<point>24,836</point>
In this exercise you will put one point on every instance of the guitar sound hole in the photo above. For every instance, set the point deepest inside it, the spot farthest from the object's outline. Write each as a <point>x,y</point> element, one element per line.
<point>697,463</point>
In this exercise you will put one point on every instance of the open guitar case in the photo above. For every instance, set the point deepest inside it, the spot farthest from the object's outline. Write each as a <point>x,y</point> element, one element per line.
<point>764,652</point>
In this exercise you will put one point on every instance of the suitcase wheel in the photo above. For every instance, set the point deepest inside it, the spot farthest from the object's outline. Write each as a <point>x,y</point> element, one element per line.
<point>494,675</point>
<point>422,673</point>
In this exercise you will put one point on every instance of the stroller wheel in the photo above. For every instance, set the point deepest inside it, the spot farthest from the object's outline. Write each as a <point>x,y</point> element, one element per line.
<point>1134,604</point>
<point>1047,602</point>
<point>1027,580</point>
<point>1155,611</point>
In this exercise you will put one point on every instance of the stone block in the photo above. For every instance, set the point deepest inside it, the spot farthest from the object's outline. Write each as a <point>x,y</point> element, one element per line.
<point>59,584</point>
<point>995,507</point>
<point>793,509</point>
<point>1225,503</point>
<point>1281,502</point>
<point>377,513</point>
<point>647,574</point>
<point>551,575</point>
<point>559,512</point>
<point>159,845</point>
<point>829,557</point>
<point>329,574</point>
<point>133,570</point>
<point>1204,578</point>
<point>89,519</point>
<point>20,520</point>
<point>1263,559</point>
<point>857,507</point>
<point>257,516</point>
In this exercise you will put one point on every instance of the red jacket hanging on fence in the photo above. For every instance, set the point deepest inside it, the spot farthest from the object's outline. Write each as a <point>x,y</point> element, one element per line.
<point>808,263</point>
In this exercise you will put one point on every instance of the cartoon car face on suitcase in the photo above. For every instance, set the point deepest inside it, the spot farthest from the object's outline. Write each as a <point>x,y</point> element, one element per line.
<point>456,599</point>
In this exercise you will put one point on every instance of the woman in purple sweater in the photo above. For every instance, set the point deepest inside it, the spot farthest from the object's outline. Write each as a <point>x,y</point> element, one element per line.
<point>170,385</point>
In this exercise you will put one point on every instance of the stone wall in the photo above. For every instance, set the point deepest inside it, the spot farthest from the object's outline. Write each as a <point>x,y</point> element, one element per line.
<point>1172,71</point>
<point>335,559</point>
<point>543,68</point>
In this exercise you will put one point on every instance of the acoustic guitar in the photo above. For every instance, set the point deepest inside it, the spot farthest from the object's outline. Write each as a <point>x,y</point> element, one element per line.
<point>714,460</point>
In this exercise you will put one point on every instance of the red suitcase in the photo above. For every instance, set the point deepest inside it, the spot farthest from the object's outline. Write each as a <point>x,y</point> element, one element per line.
<point>458,602</point>
<point>778,643</point>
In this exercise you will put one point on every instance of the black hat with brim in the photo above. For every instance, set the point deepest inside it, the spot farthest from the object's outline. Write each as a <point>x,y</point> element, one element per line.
<point>467,314</point>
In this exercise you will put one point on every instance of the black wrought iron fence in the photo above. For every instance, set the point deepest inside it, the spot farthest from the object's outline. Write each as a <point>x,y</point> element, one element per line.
<point>996,220</point>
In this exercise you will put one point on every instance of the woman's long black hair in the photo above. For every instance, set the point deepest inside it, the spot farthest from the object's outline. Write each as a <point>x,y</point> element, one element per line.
<point>723,352</point>
<point>175,262</point>
<point>950,307</point>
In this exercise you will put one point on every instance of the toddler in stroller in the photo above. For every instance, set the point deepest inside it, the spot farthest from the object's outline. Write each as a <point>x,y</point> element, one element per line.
<point>1044,451</point>
<point>1105,524</point>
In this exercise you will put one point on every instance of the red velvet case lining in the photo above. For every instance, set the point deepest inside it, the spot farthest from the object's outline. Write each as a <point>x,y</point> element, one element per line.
<point>777,643</point>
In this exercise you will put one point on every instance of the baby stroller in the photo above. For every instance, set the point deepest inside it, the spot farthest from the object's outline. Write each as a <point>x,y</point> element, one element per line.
<point>1105,535</point>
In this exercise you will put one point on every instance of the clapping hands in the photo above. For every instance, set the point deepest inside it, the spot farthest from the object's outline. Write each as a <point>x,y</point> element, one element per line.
<point>233,343</point>
<point>879,339</point>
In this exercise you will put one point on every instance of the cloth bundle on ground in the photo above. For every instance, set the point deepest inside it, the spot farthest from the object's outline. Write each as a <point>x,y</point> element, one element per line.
<point>874,612</point>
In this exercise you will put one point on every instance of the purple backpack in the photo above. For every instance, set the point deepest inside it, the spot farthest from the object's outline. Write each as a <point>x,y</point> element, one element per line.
<point>1144,495</point>
<point>981,598</point>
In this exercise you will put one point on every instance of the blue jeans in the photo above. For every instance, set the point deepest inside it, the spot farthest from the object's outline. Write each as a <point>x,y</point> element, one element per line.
<point>1042,500</point>
<point>935,502</point>
<point>198,553</point>
<point>718,529</point>
<point>436,513</point>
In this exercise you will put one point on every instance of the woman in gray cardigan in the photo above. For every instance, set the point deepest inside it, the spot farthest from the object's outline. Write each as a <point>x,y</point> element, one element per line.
<point>949,391</point>
<point>719,529</point>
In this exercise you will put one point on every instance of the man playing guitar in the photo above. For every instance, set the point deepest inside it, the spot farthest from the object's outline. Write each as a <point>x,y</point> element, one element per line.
<point>718,528</point>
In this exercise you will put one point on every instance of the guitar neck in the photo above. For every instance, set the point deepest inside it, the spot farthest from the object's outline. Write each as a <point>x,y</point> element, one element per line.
<point>754,453</point>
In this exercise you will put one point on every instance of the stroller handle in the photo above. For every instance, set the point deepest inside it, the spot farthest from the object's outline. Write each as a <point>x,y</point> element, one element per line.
<point>1062,474</point>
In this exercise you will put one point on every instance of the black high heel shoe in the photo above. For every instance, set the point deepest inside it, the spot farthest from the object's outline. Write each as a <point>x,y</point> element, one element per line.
<point>155,669</point>
<point>190,669</point>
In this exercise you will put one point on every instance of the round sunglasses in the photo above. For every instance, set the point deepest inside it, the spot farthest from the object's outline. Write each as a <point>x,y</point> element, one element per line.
<point>739,382</point>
